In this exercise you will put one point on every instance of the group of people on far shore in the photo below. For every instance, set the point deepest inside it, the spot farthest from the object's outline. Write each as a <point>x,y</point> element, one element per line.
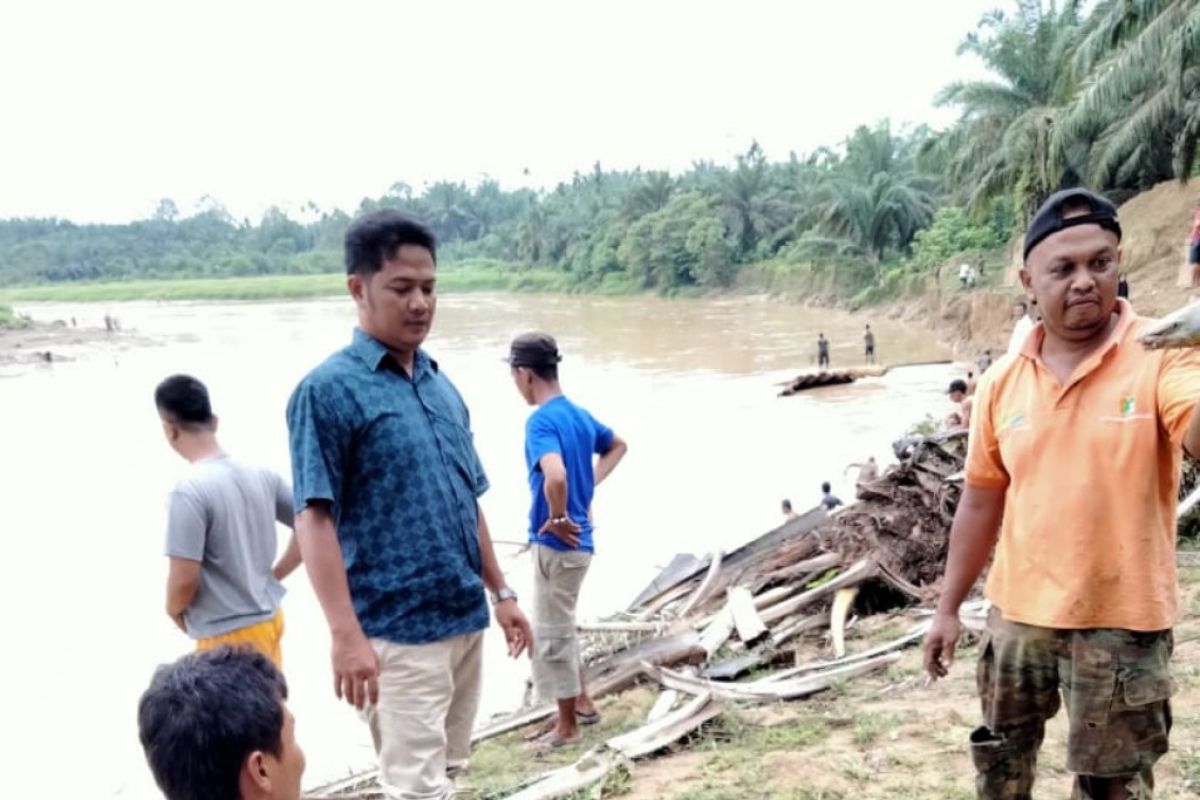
<point>868,348</point>
<point>383,504</point>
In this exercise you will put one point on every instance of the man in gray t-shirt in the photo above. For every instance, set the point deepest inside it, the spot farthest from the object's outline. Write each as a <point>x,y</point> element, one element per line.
<point>221,540</point>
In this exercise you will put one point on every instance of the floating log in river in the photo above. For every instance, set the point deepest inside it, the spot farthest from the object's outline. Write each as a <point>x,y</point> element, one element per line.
<point>816,378</point>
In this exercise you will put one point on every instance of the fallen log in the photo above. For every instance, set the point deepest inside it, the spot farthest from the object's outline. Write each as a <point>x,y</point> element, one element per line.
<point>818,564</point>
<point>794,626</point>
<point>662,705</point>
<point>598,762</point>
<point>857,573</point>
<point>842,601</point>
<point>683,567</point>
<point>603,626</point>
<point>703,590</point>
<point>914,635</point>
<point>717,633</point>
<point>749,626</point>
<point>657,735</point>
<point>760,691</point>
<point>612,675</point>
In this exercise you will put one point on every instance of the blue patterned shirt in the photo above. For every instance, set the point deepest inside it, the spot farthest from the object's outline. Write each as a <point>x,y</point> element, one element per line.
<point>395,458</point>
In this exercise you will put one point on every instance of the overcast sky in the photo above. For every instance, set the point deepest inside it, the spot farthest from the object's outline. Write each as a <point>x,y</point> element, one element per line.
<point>105,107</point>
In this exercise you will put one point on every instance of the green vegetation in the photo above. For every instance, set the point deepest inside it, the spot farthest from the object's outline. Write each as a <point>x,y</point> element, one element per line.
<point>467,278</point>
<point>1104,94</point>
<point>10,319</point>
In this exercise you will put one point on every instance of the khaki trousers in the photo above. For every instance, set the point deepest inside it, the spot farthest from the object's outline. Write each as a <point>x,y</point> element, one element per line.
<point>557,578</point>
<point>428,698</point>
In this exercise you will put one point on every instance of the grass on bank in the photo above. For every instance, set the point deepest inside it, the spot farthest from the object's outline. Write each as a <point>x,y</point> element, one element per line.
<point>273,287</point>
<point>11,319</point>
<point>881,736</point>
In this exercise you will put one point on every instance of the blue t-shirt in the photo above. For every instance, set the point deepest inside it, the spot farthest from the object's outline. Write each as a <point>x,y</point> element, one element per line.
<point>394,457</point>
<point>560,426</point>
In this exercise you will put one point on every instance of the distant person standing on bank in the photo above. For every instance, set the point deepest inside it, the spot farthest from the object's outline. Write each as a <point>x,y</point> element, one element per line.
<point>822,351</point>
<point>1193,258</point>
<point>1123,286</point>
<point>788,513</point>
<point>984,361</point>
<point>397,549</point>
<point>561,440</point>
<point>869,343</point>
<point>1022,325</point>
<point>221,539</point>
<point>828,498</point>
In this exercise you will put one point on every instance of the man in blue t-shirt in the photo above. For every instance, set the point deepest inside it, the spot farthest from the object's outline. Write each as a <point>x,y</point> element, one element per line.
<point>560,440</point>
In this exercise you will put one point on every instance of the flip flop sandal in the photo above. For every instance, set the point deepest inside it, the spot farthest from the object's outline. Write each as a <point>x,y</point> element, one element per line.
<point>587,719</point>
<point>552,741</point>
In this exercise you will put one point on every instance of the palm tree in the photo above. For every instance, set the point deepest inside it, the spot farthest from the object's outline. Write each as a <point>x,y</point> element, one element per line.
<point>1140,102</point>
<point>752,199</point>
<point>1003,142</point>
<point>650,193</point>
<point>884,211</point>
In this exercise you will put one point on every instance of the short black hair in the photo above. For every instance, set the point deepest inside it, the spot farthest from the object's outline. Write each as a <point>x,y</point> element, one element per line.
<point>183,400</point>
<point>375,237</point>
<point>787,505</point>
<point>825,487</point>
<point>547,372</point>
<point>204,715</point>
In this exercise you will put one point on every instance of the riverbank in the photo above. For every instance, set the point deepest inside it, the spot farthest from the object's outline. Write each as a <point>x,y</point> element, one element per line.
<point>271,287</point>
<point>887,735</point>
<point>37,343</point>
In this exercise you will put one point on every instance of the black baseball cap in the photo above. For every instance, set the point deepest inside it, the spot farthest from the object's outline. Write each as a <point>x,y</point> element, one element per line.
<point>1049,218</point>
<point>957,385</point>
<point>533,350</point>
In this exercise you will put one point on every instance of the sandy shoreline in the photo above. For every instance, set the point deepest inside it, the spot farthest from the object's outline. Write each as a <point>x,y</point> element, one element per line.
<point>49,343</point>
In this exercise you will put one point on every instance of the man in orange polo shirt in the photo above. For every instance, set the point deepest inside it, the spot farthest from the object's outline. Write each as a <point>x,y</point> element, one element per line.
<point>1075,444</point>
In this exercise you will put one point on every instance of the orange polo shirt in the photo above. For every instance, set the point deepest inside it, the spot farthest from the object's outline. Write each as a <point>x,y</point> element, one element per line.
<point>1091,473</point>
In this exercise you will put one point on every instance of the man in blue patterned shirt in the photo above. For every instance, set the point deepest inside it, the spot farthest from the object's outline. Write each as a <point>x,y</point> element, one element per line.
<point>386,479</point>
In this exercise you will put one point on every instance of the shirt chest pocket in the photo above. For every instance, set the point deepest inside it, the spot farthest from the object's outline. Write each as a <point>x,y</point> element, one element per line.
<point>457,448</point>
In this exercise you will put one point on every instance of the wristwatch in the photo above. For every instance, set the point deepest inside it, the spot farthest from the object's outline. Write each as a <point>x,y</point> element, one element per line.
<point>505,593</point>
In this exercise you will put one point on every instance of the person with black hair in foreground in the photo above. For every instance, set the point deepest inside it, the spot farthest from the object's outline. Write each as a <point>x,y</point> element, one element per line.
<point>215,725</point>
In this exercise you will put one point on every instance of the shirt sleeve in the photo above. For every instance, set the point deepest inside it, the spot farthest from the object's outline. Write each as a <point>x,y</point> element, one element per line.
<point>603,439</point>
<point>985,467</point>
<point>285,511</point>
<point>319,439</point>
<point>187,525</point>
<point>541,438</point>
<point>1178,391</point>
<point>479,478</point>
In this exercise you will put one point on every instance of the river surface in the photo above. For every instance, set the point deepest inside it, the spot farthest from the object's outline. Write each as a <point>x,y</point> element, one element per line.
<point>85,472</point>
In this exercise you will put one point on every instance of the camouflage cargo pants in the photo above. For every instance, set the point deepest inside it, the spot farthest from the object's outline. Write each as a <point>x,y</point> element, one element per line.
<point>1116,685</point>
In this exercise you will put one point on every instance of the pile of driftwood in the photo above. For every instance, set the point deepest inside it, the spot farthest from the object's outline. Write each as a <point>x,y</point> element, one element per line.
<point>707,622</point>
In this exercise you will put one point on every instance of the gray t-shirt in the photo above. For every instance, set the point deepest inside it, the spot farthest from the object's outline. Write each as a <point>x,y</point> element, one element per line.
<point>222,514</point>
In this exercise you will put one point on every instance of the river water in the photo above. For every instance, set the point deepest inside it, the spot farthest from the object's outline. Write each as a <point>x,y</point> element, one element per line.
<point>85,471</point>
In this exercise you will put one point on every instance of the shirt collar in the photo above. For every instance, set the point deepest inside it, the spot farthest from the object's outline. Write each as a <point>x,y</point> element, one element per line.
<point>375,355</point>
<point>1032,348</point>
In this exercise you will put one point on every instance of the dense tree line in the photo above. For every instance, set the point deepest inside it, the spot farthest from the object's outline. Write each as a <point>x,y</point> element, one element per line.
<point>1108,97</point>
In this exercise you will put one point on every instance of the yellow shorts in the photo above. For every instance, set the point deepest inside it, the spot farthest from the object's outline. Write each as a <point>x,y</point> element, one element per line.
<point>263,636</point>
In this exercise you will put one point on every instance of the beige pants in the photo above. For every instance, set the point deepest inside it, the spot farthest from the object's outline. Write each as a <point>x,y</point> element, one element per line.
<point>428,697</point>
<point>557,577</point>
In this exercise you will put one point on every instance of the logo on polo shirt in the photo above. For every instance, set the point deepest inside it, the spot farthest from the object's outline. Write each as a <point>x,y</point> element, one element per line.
<point>1011,419</point>
<point>1127,411</point>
